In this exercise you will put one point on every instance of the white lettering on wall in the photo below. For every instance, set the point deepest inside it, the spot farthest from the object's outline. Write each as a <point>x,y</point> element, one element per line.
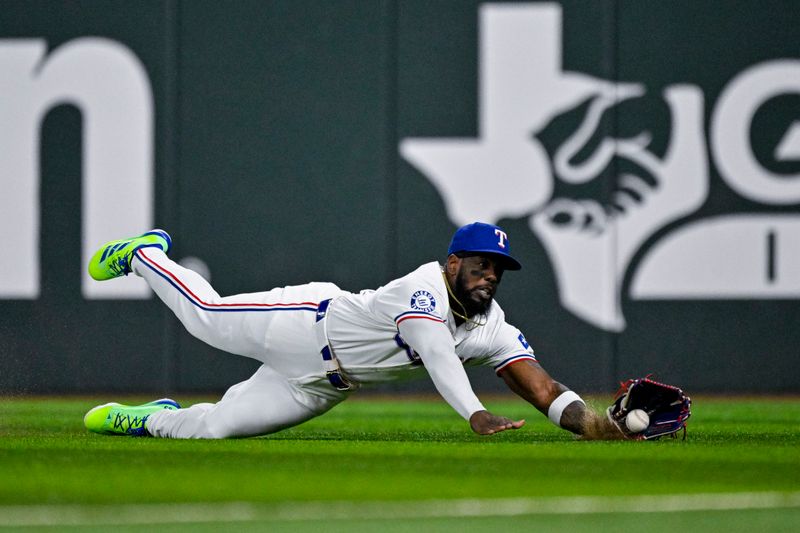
<point>107,83</point>
<point>730,132</point>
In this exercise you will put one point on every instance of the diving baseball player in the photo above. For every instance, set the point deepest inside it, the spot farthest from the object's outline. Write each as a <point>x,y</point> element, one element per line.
<point>318,343</point>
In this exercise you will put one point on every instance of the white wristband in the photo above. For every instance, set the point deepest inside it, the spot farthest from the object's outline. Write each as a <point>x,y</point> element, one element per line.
<point>556,408</point>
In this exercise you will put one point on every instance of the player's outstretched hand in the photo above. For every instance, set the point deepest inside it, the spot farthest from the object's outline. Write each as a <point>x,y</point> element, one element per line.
<point>485,423</point>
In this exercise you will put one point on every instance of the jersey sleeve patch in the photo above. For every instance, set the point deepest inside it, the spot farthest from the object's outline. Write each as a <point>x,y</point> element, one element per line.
<point>513,359</point>
<point>423,301</point>
<point>522,340</point>
<point>423,305</point>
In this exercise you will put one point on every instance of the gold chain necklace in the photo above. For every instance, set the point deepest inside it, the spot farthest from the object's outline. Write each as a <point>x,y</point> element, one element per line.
<point>470,324</point>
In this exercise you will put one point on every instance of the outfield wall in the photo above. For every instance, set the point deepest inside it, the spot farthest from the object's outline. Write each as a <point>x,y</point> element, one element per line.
<point>644,158</point>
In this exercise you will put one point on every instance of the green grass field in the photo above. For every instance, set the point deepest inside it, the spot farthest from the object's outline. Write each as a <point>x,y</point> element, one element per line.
<point>403,465</point>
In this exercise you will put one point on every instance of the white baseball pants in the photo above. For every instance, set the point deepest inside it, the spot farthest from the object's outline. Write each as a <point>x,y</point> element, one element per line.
<point>274,327</point>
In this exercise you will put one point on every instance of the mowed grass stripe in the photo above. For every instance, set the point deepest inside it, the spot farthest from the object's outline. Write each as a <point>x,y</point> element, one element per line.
<point>149,514</point>
<point>392,456</point>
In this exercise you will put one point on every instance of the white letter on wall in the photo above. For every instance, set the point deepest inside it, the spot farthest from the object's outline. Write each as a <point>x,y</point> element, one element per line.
<point>110,87</point>
<point>730,132</point>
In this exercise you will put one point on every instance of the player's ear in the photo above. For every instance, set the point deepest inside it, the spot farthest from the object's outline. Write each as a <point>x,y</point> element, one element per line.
<point>453,264</point>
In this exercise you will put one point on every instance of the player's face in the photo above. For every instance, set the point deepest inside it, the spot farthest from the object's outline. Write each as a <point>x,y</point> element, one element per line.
<point>477,282</point>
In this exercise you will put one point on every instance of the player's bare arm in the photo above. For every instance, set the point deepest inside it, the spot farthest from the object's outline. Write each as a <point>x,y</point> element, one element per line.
<point>564,408</point>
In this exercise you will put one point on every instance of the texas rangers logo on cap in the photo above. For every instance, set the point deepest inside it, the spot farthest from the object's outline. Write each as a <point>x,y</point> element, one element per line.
<point>480,237</point>
<point>423,301</point>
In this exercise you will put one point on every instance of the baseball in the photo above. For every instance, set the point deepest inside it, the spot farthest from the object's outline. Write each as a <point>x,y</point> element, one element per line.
<point>637,421</point>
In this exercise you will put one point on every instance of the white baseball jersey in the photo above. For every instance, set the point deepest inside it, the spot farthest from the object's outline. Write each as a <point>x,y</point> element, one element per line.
<point>363,327</point>
<point>381,334</point>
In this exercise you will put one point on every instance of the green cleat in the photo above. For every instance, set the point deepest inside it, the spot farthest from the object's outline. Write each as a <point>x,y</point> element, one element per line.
<point>116,419</point>
<point>113,259</point>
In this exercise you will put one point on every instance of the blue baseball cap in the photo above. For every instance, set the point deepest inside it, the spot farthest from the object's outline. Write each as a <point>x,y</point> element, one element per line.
<point>483,238</point>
